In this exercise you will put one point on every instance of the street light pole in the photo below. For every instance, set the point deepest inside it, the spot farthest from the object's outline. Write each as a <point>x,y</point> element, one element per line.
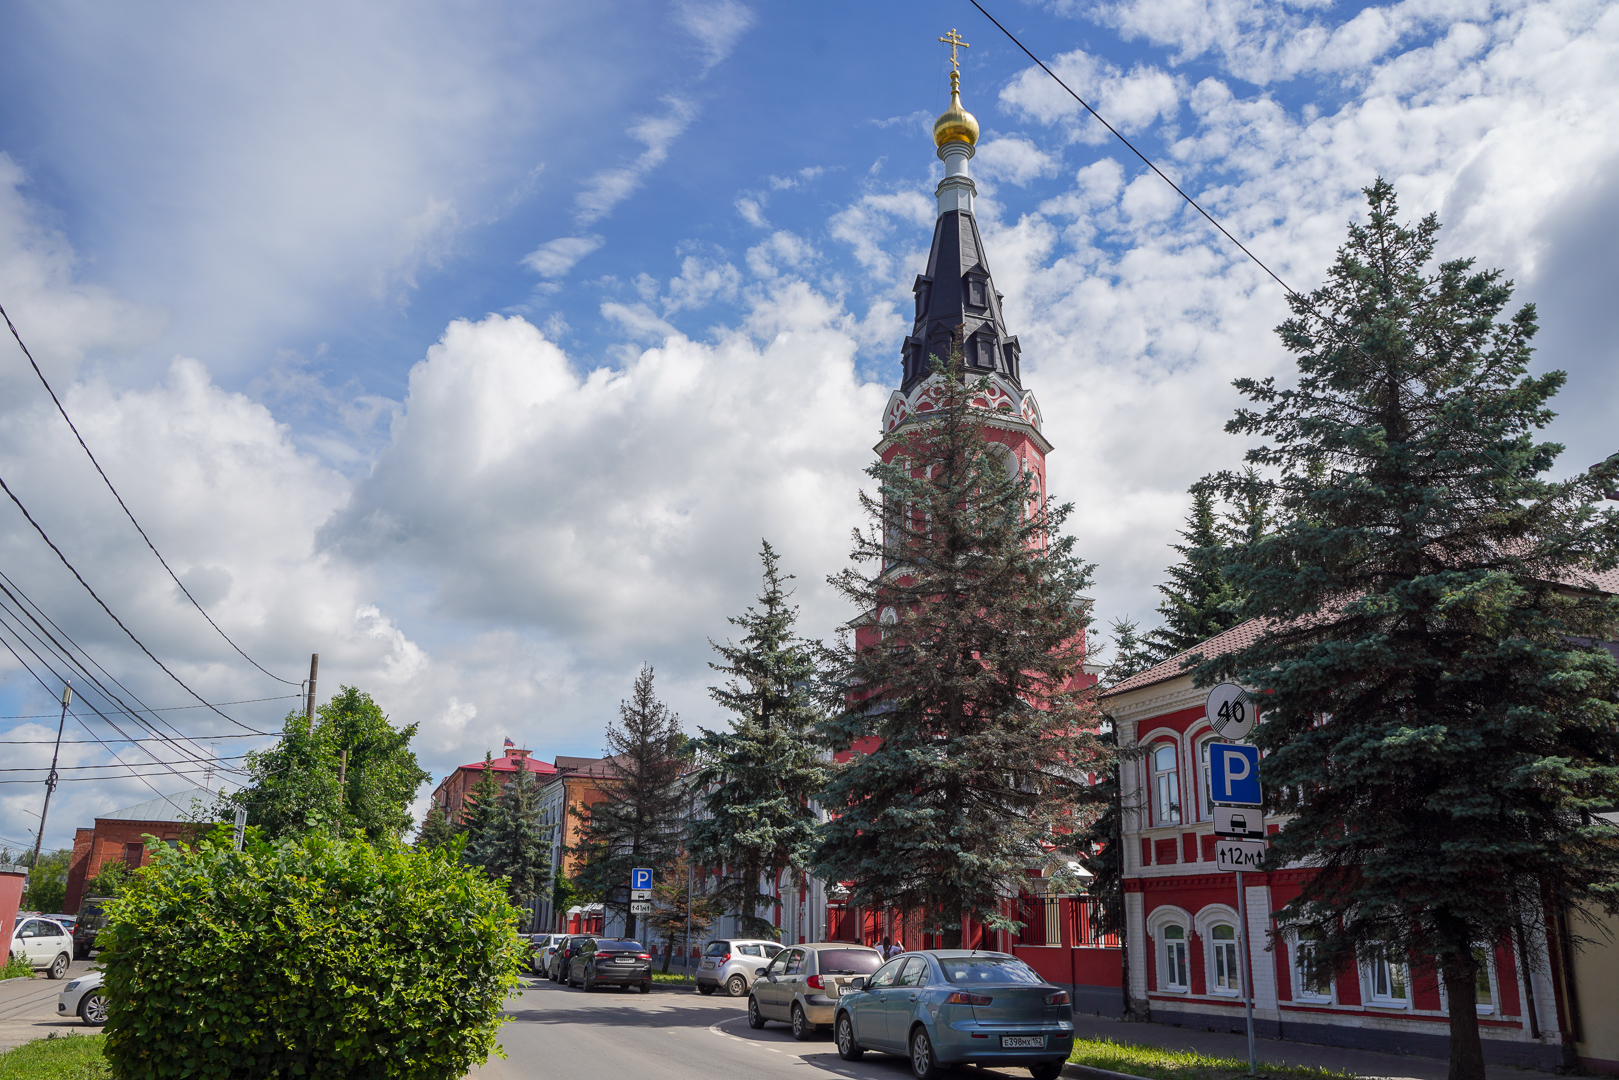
<point>50,781</point>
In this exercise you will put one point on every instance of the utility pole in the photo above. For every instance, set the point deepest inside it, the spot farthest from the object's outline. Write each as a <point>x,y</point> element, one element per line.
<point>50,781</point>
<point>309,709</point>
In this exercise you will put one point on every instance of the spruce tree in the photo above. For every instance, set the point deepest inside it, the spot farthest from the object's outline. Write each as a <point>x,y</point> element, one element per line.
<point>1131,652</point>
<point>756,781</point>
<point>1200,600</point>
<point>476,815</point>
<point>959,695</point>
<point>511,847</point>
<point>1441,721</point>
<point>638,820</point>
<point>436,829</point>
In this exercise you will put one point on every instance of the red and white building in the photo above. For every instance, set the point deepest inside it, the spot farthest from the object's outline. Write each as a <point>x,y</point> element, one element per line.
<point>1181,915</point>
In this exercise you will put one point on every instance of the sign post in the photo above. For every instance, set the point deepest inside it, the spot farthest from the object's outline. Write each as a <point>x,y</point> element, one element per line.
<point>1239,819</point>
<point>241,826</point>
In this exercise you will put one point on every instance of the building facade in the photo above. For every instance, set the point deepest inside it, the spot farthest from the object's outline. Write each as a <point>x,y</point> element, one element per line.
<point>121,837</point>
<point>453,790</point>
<point>1185,966</point>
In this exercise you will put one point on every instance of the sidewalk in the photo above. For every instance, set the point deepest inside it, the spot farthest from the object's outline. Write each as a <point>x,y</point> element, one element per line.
<point>28,1008</point>
<point>1361,1062</point>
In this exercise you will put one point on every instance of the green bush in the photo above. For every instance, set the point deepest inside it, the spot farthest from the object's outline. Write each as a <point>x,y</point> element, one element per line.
<point>16,967</point>
<point>307,958</point>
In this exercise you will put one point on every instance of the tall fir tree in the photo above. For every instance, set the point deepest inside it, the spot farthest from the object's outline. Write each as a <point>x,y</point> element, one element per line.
<point>960,691</point>
<point>1200,599</point>
<point>476,815</point>
<point>1434,676</point>
<point>436,830</point>
<point>639,819</point>
<point>510,847</point>
<point>756,781</point>
<point>1132,654</point>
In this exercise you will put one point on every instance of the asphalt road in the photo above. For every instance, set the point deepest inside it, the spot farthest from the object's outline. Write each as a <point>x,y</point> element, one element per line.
<point>28,1008</point>
<point>669,1033</point>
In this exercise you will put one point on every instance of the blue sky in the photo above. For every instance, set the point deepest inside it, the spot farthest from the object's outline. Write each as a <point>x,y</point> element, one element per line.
<point>476,347</point>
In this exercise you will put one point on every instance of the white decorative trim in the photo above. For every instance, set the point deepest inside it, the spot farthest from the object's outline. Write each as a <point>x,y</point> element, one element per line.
<point>1021,411</point>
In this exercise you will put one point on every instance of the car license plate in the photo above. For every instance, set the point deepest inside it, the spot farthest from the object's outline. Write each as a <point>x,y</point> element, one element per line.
<point>1023,1042</point>
<point>844,988</point>
<point>708,965</point>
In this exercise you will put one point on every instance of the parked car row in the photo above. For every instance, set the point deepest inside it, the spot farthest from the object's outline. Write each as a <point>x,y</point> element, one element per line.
<point>591,962</point>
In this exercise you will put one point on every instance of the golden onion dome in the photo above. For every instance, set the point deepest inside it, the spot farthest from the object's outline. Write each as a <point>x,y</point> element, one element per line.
<point>955,124</point>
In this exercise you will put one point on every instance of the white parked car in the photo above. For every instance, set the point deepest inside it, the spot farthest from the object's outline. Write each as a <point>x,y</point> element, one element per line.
<point>541,948</point>
<point>733,963</point>
<point>46,945</point>
<point>83,998</point>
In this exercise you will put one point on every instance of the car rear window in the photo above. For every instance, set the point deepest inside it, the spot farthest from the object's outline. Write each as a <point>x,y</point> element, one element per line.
<point>988,969</point>
<point>618,945</point>
<point>848,961</point>
<point>717,948</point>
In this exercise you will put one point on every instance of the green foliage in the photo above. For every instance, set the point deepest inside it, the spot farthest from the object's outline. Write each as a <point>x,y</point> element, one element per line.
<point>47,880</point>
<point>639,818</point>
<point>113,877</point>
<point>436,829</point>
<point>565,894</point>
<point>1200,599</point>
<point>1434,676</point>
<point>1131,652</point>
<point>679,904</point>
<point>510,847</point>
<point>757,779</point>
<point>16,968</point>
<point>960,686</point>
<point>302,783</point>
<point>68,1057</point>
<point>477,812</point>
<point>312,957</point>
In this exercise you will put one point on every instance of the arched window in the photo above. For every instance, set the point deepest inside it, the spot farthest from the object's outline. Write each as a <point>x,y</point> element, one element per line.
<point>1177,973</point>
<point>1166,797</point>
<point>1205,781</point>
<point>1227,973</point>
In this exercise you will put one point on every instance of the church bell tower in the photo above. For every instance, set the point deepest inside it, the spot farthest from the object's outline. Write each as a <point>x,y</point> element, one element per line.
<point>957,304</point>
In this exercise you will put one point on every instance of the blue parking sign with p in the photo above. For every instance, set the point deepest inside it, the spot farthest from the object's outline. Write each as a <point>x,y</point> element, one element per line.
<point>641,879</point>
<point>1235,772</point>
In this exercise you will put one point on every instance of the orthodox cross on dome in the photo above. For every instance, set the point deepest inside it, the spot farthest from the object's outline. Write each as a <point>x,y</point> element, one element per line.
<point>953,40</point>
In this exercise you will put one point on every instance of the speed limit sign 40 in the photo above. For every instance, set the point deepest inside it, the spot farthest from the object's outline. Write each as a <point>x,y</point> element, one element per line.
<point>1232,711</point>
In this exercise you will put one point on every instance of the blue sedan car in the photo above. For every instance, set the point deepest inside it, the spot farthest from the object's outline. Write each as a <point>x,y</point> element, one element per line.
<point>948,1007</point>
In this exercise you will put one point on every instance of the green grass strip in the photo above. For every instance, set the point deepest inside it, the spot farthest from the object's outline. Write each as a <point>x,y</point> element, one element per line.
<point>1158,1063</point>
<point>60,1057</point>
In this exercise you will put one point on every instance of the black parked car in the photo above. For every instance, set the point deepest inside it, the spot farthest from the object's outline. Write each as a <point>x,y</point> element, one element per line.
<point>91,921</point>
<point>611,962</point>
<point>558,969</point>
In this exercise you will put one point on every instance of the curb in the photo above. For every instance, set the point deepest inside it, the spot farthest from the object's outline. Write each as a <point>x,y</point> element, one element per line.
<point>17,978</point>
<point>1091,1072</point>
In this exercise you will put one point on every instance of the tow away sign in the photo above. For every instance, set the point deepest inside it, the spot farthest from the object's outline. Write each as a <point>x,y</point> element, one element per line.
<point>1239,854</point>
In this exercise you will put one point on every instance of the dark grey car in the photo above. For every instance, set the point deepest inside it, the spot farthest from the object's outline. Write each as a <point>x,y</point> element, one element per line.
<point>611,962</point>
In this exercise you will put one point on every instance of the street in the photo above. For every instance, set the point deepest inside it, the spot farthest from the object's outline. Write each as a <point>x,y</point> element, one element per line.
<point>669,1033</point>
<point>28,1008</point>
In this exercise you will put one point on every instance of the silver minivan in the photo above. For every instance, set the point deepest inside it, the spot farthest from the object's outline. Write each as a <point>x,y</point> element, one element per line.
<point>733,963</point>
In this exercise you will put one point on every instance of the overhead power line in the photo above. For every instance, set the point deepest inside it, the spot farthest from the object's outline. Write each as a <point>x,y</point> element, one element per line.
<point>125,507</point>
<point>1146,160</point>
<point>169,708</point>
<point>131,634</point>
<point>104,765</point>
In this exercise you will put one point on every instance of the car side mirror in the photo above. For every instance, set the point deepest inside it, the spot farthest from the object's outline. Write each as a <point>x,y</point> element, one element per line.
<point>758,972</point>
<point>857,983</point>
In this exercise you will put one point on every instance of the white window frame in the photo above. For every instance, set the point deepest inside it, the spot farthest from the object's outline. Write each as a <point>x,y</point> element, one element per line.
<point>1205,779</point>
<point>1165,782</point>
<point>1491,975</point>
<point>1168,949</point>
<point>1301,991</point>
<point>1373,966</point>
<point>1223,953</point>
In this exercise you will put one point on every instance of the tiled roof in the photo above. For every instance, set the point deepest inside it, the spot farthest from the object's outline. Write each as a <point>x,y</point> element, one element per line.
<point>176,807</point>
<point>585,766</point>
<point>1238,637</point>
<point>1245,634</point>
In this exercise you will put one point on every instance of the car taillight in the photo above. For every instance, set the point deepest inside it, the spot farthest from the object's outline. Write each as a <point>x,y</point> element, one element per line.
<point>722,959</point>
<point>643,956</point>
<point>814,983</point>
<point>1059,998</point>
<point>605,955</point>
<point>962,998</point>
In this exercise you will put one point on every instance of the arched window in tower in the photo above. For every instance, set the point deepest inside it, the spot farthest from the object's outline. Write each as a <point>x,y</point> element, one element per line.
<point>887,621</point>
<point>976,295</point>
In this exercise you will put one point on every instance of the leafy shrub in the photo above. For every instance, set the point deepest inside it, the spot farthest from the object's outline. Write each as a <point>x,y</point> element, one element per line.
<point>16,967</point>
<point>307,958</point>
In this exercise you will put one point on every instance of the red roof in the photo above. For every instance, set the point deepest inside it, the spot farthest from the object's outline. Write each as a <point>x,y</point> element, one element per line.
<point>509,763</point>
